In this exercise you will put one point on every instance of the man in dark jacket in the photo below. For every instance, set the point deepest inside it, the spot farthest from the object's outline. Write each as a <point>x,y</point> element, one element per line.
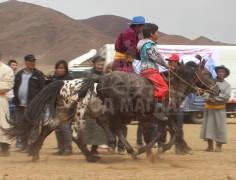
<point>28,83</point>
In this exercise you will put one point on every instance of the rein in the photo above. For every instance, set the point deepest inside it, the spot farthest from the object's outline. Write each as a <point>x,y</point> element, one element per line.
<point>197,89</point>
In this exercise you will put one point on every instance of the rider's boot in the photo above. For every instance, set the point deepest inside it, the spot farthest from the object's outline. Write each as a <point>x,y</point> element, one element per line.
<point>159,113</point>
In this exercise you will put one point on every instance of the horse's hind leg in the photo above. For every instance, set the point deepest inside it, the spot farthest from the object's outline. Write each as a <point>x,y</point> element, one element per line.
<point>35,146</point>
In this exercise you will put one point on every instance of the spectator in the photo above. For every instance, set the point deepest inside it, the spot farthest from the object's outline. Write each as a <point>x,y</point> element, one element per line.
<point>93,133</point>
<point>6,83</point>
<point>153,130</point>
<point>14,66</point>
<point>63,133</point>
<point>28,83</point>
<point>120,145</point>
<point>214,123</point>
<point>178,117</point>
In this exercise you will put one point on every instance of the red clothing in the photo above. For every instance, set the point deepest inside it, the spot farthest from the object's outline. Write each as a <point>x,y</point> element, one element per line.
<point>161,88</point>
<point>127,43</point>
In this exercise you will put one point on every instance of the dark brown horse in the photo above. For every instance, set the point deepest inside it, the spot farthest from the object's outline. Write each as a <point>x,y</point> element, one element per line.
<point>128,95</point>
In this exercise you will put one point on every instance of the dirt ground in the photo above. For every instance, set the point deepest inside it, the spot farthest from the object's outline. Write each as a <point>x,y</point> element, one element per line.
<point>200,165</point>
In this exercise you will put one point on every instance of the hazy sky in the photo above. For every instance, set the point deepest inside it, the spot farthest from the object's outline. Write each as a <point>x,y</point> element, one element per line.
<point>214,19</point>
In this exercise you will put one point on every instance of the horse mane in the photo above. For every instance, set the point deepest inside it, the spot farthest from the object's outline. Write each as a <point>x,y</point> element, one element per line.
<point>87,84</point>
<point>187,70</point>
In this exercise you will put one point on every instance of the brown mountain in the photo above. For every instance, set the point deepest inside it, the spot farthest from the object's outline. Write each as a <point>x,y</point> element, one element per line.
<point>48,34</point>
<point>51,36</point>
<point>110,24</point>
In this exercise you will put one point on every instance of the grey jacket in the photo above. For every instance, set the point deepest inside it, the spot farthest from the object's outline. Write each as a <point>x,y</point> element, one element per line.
<point>150,57</point>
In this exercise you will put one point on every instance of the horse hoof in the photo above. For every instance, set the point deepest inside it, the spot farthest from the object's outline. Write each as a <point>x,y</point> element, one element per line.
<point>134,154</point>
<point>111,150</point>
<point>93,158</point>
<point>30,153</point>
<point>160,150</point>
<point>190,152</point>
<point>35,159</point>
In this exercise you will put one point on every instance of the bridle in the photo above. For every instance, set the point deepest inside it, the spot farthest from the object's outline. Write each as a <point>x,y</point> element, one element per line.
<point>198,90</point>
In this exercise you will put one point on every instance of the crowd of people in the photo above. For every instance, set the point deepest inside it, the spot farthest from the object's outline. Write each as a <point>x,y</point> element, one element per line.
<point>17,89</point>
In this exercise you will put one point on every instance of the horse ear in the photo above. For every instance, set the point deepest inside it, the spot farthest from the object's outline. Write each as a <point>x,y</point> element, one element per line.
<point>181,63</point>
<point>202,63</point>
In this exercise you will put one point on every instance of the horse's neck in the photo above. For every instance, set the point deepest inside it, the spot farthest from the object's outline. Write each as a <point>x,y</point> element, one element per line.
<point>177,93</point>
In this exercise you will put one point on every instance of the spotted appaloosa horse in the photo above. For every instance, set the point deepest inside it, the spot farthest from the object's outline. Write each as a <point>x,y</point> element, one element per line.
<point>55,104</point>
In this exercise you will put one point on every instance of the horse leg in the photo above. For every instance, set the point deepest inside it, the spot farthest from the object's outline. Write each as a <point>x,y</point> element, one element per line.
<point>173,134</point>
<point>128,147</point>
<point>103,121</point>
<point>182,146</point>
<point>79,142</point>
<point>35,146</point>
<point>147,139</point>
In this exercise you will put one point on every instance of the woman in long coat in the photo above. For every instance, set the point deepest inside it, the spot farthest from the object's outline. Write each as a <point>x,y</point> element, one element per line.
<point>6,83</point>
<point>93,133</point>
<point>214,123</point>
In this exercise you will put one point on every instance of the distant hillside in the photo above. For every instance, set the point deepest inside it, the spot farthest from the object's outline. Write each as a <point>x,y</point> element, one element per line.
<point>52,36</point>
<point>48,34</point>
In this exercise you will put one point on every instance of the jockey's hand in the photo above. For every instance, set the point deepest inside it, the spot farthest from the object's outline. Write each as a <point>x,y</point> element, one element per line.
<point>130,59</point>
<point>212,99</point>
<point>169,67</point>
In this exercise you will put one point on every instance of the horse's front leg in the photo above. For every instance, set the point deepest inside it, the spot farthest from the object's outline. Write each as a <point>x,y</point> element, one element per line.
<point>173,134</point>
<point>78,139</point>
<point>181,147</point>
<point>36,145</point>
<point>149,140</point>
<point>128,147</point>
<point>103,121</point>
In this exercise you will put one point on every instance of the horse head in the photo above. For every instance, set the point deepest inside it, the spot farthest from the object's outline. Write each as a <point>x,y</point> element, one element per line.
<point>196,77</point>
<point>205,81</point>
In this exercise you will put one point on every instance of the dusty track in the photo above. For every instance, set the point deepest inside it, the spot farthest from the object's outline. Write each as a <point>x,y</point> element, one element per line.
<point>201,165</point>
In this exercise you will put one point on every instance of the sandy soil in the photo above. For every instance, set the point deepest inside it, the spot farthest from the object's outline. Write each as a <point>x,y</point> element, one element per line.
<point>200,165</point>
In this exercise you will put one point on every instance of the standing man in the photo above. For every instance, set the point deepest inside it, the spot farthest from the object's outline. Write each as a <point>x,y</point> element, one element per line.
<point>214,123</point>
<point>6,83</point>
<point>178,117</point>
<point>13,65</point>
<point>28,83</point>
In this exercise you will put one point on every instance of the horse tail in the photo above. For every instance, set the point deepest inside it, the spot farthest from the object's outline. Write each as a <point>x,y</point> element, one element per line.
<point>19,125</point>
<point>24,122</point>
<point>21,129</point>
<point>46,98</point>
